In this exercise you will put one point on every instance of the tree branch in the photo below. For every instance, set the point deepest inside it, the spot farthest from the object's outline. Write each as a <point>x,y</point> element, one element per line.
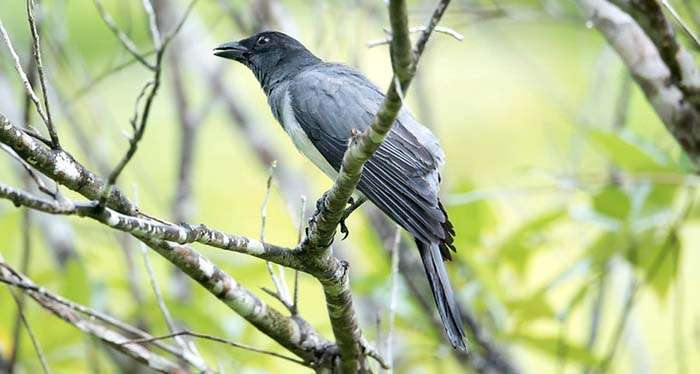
<point>293,333</point>
<point>36,48</point>
<point>111,337</point>
<point>215,339</point>
<point>22,75</point>
<point>330,208</point>
<point>124,39</point>
<point>662,68</point>
<point>61,167</point>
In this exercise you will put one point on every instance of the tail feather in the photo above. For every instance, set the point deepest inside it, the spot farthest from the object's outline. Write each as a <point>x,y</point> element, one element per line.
<point>442,292</point>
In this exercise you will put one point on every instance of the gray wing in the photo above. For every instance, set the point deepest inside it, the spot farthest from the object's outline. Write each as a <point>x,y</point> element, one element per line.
<point>401,179</point>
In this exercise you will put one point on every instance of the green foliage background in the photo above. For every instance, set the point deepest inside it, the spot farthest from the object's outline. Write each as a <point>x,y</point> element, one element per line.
<point>524,108</point>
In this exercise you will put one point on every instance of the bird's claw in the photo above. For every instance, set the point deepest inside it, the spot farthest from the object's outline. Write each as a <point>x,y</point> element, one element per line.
<point>344,229</point>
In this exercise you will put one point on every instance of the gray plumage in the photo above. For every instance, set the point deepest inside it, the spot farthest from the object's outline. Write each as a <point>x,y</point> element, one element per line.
<point>319,105</point>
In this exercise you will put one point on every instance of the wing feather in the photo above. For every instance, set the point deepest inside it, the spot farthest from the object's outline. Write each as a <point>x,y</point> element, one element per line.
<point>331,100</point>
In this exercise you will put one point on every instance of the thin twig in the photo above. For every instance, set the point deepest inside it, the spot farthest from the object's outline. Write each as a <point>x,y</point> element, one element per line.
<point>30,172</point>
<point>323,225</point>
<point>87,87</point>
<point>13,278</point>
<point>140,128</point>
<point>372,352</point>
<point>281,290</point>
<point>22,75</point>
<point>30,333</point>
<point>393,296</point>
<point>86,325</point>
<point>152,24</point>
<point>300,237</point>
<point>216,339</point>
<point>36,47</point>
<point>169,37</point>
<point>161,302</point>
<point>682,23</point>
<point>124,39</point>
<point>439,29</point>
<point>294,334</point>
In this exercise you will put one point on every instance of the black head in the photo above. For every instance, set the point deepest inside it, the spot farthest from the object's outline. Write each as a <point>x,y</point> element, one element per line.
<point>269,53</point>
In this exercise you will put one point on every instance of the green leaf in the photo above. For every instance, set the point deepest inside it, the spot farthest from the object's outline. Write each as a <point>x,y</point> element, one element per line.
<point>485,272</point>
<point>612,202</point>
<point>576,299</point>
<point>660,198</point>
<point>628,153</point>
<point>605,246</point>
<point>556,346</point>
<point>519,247</point>
<point>531,308</point>
<point>659,262</point>
<point>474,218</point>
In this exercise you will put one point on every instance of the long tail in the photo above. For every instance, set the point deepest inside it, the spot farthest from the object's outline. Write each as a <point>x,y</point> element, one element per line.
<point>442,292</point>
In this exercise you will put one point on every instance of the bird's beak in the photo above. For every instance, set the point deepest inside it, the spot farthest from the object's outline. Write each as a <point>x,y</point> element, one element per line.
<point>232,51</point>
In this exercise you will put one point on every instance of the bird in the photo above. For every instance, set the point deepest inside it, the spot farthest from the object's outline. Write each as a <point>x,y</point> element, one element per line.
<point>321,105</point>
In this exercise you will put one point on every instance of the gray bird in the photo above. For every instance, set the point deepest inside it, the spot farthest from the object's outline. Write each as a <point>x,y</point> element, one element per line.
<point>319,104</point>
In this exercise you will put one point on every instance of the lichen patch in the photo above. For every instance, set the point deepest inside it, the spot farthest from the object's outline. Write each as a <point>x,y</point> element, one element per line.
<point>65,166</point>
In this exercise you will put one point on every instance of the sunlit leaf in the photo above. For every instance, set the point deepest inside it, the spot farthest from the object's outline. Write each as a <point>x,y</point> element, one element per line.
<point>660,198</point>
<point>486,275</point>
<point>659,262</point>
<point>628,153</point>
<point>611,201</point>
<point>555,346</point>
<point>605,246</point>
<point>473,218</point>
<point>530,308</point>
<point>576,300</point>
<point>519,247</point>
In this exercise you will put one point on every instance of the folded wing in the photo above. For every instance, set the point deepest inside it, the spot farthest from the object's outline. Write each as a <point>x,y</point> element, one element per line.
<point>402,177</point>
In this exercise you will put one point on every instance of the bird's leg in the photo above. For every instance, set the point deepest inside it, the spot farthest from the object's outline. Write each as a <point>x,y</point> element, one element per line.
<point>354,204</point>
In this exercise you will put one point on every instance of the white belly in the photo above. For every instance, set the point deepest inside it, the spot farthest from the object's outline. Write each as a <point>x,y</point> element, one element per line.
<point>302,141</point>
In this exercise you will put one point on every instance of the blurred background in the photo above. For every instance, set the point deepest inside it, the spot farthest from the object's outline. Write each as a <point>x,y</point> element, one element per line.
<point>576,231</point>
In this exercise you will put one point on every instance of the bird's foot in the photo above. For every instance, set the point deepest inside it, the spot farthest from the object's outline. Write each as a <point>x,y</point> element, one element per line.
<point>344,229</point>
<point>354,204</point>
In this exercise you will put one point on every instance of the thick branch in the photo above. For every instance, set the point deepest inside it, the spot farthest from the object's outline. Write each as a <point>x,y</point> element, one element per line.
<point>292,333</point>
<point>667,78</point>
<point>323,226</point>
<point>61,167</point>
<point>295,334</point>
<point>650,16</point>
<point>363,146</point>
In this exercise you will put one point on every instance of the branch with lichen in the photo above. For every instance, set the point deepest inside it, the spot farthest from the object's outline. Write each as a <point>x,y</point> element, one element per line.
<point>294,334</point>
<point>168,239</point>
<point>663,69</point>
<point>331,207</point>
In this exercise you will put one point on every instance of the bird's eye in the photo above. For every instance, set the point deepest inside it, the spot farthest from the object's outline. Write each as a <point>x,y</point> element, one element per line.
<point>263,40</point>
